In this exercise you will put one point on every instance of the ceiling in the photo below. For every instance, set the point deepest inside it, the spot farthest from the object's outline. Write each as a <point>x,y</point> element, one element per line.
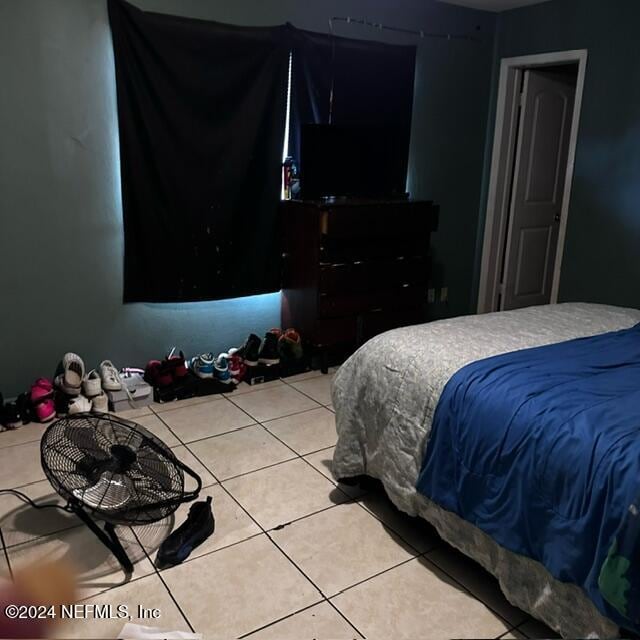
<point>494,5</point>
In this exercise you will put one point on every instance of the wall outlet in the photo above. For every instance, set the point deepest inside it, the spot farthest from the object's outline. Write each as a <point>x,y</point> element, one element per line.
<point>444,294</point>
<point>431,296</point>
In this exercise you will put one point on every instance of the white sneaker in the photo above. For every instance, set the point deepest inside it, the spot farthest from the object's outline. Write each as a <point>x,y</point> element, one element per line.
<point>110,376</point>
<point>79,404</point>
<point>100,404</point>
<point>92,384</point>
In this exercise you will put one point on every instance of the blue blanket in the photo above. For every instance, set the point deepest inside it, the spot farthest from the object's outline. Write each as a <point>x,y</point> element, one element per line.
<point>540,449</point>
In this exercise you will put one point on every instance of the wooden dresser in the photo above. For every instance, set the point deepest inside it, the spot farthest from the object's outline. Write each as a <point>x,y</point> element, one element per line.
<point>354,268</point>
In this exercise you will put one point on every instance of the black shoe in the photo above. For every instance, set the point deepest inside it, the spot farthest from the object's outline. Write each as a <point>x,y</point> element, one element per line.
<point>25,409</point>
<point>290,346</point>
<point>269,353</point>
<point>10,416</point>
<point>198,526</point>
<point>250,351</point>
<point>61,402</point>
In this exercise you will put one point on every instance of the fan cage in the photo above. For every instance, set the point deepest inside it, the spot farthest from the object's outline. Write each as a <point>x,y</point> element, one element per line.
<point>114,469</point>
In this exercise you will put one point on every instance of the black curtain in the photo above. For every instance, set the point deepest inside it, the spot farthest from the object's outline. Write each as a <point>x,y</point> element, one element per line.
<point>343,81</point>
<point>201,115</point>
<point>201,109</point>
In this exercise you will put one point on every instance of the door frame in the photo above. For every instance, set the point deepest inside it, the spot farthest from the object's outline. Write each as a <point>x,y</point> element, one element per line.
<point>498,200</point>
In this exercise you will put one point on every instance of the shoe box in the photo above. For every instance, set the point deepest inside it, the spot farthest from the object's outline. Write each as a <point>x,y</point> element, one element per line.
<point>120,401</point>
<point>133,395</point>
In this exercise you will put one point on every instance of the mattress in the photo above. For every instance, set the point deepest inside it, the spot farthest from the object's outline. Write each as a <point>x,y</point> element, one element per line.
<point>385,396</point>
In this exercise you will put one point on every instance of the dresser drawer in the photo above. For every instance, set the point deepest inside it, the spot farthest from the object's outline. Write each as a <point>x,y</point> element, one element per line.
<point>334,330</point>
<point>339,250</point>
<point>369,275</point>
<point>376,221</point>
<point>334,305</point>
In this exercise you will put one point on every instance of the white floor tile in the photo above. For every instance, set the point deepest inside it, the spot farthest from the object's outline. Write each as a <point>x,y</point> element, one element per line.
<point>240,452</point>
<point>20,465</point>
<point>478,581</point>
<point>31,432</point>
<point>158,428</point>
<point>274,403</point>
<point>416,600</point>
<point>322,460</point>
<point>341,546</point>
<point>306,432</point>
<point>416,531</point>
<point>318,388</point>
<point>186,457</point>
<point>205,419</point>
<point>321,622</point>
<point>277,495</point>
<point>239,589</point>
<point>20,522</point>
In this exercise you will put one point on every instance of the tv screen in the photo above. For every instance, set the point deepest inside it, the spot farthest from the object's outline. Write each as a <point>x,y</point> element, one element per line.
<point>352,161</point>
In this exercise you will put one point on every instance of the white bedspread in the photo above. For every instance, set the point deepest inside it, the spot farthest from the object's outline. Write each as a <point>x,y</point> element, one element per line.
<point>385,396</point>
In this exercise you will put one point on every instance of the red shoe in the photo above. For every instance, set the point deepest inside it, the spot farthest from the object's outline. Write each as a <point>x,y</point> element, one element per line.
<point>41,397</point>
<point>176,364</point>
<point>237,367</point>
<point>41,389</point>
<point>157,374</point>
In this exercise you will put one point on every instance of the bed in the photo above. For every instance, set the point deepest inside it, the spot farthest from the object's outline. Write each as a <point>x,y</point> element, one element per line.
<point>386,396</point>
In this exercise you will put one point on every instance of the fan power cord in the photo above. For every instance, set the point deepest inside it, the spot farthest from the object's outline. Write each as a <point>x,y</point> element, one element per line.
<point>35,505</point>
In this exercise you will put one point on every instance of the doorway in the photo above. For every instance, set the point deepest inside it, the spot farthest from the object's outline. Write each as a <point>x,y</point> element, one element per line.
<point>537,120</point>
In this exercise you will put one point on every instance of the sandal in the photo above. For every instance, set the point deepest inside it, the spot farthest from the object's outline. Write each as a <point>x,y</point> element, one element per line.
<point>70,380</point>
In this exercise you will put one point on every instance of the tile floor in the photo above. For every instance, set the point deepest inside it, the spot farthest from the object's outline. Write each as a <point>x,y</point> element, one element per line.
<point>294,554</point>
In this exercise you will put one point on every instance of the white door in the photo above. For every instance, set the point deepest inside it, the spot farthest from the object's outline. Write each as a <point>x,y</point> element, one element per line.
<point>538,185</point>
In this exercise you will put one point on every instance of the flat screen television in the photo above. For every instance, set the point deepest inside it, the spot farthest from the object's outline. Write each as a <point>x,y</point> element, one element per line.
<point>352,161</point>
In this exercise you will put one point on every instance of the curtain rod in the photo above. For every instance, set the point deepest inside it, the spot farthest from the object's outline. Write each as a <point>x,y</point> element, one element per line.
<point>419,33</point>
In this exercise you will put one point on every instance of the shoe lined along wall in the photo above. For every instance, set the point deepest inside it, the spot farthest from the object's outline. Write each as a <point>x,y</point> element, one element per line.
<point>75,389</point>
<point>60,177</point>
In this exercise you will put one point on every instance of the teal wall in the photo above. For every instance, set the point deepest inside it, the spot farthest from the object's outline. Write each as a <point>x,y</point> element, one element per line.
<point>601,260</point>
<point>60,210</point>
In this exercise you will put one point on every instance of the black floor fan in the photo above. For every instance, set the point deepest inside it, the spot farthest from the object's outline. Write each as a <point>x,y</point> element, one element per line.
<point>114,470</point>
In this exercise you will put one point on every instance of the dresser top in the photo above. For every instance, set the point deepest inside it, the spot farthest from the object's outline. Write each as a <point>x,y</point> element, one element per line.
<point>357,202</point>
